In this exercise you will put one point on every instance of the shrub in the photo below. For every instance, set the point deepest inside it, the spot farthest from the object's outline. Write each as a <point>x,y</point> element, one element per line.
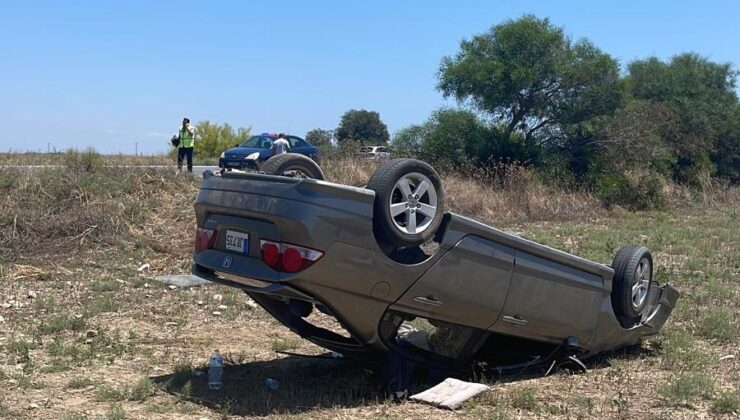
<point>639,192</point>
<point>87,160</point>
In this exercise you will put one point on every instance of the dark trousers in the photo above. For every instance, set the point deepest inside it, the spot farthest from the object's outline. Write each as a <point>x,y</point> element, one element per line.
<point>181,154</point>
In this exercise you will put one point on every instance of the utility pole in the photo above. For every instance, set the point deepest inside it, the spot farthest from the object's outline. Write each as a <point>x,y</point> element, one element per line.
<point>136,148</point>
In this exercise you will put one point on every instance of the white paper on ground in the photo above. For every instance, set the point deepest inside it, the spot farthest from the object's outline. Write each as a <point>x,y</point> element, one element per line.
<point>450,393</point>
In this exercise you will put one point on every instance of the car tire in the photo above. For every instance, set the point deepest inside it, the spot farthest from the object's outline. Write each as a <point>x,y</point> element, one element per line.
<point>292,164</point>
<point>633,278</point>
<point>402,218</point>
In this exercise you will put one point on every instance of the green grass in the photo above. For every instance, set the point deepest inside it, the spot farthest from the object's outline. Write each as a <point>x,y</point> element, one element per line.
<point>20,349</point>
<point>726,403</point>
<point>59,323</point>
<point>143,389</point>
<point>116,413</point>
<point>102,304</point>
<point>78,383</point>
<point>107,393</point>
<point>24,382</point>
<point>285,344</point>
<point>109,285</point>
<point>525,399</point>
<point>718,323</point>
<point>686,388</point>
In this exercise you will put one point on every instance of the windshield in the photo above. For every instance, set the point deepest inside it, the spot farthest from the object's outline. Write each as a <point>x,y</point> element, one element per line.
<point>260,142</point>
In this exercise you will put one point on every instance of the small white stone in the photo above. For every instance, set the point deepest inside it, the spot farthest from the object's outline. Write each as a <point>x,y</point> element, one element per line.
<point>32,294</point>
<point>252,304</point>
<point>172,287</point>
<point>33,406</point>
<point>146,285</point>
<point>223,307</point>
<point>216,313</point>
<point>200,302</point>
<point>2,319</point>
<point>217,297</point>
<point>143,267</point>
<point>7,306</point>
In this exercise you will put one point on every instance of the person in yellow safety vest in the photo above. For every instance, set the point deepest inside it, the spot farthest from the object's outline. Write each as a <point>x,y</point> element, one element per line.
<point>186,134</point>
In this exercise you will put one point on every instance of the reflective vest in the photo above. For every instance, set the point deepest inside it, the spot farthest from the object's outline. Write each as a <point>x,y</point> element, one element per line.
<point>187,138</point>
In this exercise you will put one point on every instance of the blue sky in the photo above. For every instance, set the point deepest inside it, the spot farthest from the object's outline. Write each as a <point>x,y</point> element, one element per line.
<point>109,74</point>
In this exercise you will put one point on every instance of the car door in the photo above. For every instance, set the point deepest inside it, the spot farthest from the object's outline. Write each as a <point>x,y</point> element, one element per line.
<point>467,286</point>
<point>550,301</point>
<point>298,145</point>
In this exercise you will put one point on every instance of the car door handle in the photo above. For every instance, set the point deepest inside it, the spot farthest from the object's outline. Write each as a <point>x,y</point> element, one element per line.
<point>516,319</point>
<point>428,300</point>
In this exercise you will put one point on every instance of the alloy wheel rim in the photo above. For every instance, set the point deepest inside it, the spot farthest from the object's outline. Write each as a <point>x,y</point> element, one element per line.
<point>413,203</point>
<point>642,285</point>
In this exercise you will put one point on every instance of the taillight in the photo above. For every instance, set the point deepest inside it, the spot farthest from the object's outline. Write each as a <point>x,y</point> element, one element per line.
<point>204,239</point>
<point>288,258</point>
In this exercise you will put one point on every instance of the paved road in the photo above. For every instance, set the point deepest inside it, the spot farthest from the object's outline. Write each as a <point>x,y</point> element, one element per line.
<point>197,170</point>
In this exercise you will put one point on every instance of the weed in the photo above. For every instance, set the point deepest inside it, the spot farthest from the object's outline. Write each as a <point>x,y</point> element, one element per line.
<point>21,350</point>
<point>59,323</point>
<point>78,383</point>
<point>284,345</point>
<point>142,390</point>
<point>74,416</point>
<point>686,387</point>
<point>107,393</point>
<point>727,403</point>
<point>718,323</point>
<point>583,403</point>
<point>109,285</point>
<point>45,304</point>
<point>116,413</point>
<point>525,399</point>
<point>24,382</point>
<point>680,352</point>
<point>102,305</point>
<point>55,368</point>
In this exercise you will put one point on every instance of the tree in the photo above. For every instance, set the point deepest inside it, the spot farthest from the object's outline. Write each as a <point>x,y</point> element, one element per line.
<point>528,75</point>
<point>213,138</point>
<point>319,137</point>
<point>362,126</point>
<point>702,94</point>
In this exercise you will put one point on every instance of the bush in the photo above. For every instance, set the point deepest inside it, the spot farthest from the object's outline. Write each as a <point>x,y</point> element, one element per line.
<point>87,160</point>
<point>641,192</point>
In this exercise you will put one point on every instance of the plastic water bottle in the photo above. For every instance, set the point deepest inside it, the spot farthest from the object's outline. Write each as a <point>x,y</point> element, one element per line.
<point>272,383</point>
<point>215,371</point>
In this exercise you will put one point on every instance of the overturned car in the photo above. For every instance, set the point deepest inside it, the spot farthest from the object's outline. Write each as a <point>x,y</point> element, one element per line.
<point>396,275</point>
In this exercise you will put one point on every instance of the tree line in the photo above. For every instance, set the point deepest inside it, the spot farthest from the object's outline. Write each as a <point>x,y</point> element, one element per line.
<point>531,96</point>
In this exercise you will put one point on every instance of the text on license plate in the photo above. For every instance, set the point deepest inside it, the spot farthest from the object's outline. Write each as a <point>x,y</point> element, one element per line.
<point>237,241</point>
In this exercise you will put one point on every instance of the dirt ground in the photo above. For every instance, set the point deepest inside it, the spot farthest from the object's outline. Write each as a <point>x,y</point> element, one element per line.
<point>87,332</point>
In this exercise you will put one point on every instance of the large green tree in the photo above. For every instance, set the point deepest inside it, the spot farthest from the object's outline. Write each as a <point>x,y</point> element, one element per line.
<point>701,93</point>
<point>214,138</point>
<point>319,137</point>
<point>529,76</point>
<point>362,126</point>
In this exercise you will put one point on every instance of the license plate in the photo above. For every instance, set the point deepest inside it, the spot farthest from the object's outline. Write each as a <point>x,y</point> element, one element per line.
<point>237,241</point>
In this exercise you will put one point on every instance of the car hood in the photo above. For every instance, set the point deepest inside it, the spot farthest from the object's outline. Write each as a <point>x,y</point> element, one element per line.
<point>241,152</point>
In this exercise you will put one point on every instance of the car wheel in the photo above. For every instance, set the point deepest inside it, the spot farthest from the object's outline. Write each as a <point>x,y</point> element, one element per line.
<point>633,277</point>
<point>293,165</point>
<point>409,202</point>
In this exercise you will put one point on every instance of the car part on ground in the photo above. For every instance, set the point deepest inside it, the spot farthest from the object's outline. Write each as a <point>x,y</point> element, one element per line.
<point>476,296</point>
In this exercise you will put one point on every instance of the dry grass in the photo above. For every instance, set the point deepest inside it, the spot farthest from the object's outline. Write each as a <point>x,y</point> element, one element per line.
<point>100,338</point>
